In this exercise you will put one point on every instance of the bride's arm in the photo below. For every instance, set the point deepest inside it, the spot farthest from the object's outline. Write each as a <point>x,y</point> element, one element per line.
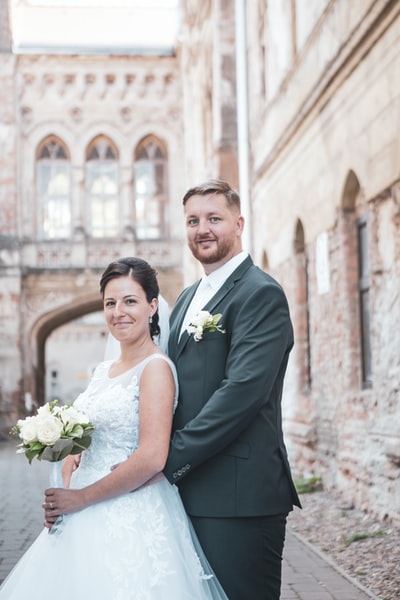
<point>157,391</point>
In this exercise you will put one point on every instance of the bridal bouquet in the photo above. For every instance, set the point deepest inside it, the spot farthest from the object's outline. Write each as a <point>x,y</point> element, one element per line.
<point>53,433</point>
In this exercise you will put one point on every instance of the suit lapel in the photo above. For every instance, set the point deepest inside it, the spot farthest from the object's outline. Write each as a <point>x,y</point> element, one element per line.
<point>229,284</point>
<point>177,345</point>
<point>222,292</point>
<point>174,342</point>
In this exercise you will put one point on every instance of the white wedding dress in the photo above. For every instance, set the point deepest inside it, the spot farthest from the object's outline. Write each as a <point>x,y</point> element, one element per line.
<point>139,546</point>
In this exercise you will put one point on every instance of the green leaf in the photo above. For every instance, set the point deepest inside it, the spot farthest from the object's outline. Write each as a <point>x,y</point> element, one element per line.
<point>30,454</point>
<point>37,446</point>
<point>57,451</point>
<point>76,431</point>
<point>52,404</point>
<point>82,444</point>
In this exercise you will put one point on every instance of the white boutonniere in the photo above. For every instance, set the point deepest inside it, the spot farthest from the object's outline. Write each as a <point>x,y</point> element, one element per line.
<point>204,321</point>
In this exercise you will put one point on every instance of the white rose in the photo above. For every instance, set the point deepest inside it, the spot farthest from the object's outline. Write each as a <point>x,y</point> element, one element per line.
<point>28,431</point>
<point>198,334</point>
<point>196,331</point>
<point>44,410</point>
<point>71,417</point>
<point>201,318</point>
<point>49,430</point>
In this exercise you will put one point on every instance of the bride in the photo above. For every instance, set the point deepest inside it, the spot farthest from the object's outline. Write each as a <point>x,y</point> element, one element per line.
<point>125,534</point>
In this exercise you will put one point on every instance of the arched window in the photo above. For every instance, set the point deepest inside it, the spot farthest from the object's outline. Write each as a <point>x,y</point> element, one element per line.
<point>356,239</point>
<point>151,184</point>
<point>53,189</point>
<point>102,188</point>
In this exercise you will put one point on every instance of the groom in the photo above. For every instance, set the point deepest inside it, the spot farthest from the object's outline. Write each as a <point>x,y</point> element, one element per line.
<point>227,452</point>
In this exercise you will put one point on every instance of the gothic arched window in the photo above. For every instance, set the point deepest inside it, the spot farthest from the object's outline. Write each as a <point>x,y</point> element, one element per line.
<point>354,216</point>
<point>53,189</point>
<point>150,184</point>
<point>102,188</point>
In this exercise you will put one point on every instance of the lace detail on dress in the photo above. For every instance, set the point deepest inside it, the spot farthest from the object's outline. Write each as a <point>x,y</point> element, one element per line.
<point>114,411</point>
<point>147,550</point>
<point>112,405</point>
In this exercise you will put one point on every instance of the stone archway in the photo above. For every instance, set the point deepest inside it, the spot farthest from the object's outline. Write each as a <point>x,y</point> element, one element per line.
<point>41,330</point>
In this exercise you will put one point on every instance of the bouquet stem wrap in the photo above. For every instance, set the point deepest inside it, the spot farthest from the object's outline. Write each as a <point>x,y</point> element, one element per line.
<point>56,480</point>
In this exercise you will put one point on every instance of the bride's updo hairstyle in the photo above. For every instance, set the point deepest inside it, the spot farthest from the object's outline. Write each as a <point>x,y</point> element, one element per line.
<point>143,274</point>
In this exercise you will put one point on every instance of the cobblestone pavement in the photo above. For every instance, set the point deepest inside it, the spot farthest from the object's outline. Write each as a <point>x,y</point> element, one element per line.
<point>307,574</point>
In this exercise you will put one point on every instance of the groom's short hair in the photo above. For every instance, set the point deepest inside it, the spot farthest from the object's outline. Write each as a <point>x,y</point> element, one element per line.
<point>214,186</point>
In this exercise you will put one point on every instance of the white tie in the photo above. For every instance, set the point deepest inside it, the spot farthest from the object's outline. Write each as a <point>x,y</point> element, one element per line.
<point>202,295</point>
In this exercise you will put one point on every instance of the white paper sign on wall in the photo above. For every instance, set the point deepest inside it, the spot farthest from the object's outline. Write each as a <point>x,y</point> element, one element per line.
<point>322,263</point>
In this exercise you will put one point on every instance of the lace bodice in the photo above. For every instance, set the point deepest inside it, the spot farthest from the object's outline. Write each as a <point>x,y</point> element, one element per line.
<point>112,405</point>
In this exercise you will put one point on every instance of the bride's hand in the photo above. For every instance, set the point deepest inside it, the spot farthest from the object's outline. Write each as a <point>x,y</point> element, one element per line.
<point>59,501</point>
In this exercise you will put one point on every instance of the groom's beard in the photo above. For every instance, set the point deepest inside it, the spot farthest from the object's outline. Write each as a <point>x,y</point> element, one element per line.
<point>222,250</point>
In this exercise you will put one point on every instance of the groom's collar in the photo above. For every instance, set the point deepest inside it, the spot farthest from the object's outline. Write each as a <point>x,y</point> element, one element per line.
<point>218,277</point>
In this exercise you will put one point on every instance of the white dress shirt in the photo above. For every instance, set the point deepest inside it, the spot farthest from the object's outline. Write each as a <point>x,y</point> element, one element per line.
<point>209,286</point>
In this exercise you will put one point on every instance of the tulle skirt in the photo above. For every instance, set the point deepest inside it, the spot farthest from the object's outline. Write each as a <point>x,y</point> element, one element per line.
<point>139,546</point>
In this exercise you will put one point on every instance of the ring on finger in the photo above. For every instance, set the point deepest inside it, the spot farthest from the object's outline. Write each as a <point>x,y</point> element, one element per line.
<point>51,506</point>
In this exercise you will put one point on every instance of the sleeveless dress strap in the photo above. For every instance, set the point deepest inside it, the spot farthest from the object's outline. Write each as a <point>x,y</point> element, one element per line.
<point>145,361</point>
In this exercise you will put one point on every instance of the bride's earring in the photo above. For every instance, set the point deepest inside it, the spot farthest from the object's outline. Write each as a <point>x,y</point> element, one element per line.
<point>150,319</point>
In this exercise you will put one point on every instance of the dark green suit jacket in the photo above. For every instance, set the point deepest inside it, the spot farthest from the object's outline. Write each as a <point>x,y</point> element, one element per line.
<point>227,453</point>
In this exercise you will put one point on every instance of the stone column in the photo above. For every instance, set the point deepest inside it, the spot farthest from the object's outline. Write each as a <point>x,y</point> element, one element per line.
<point>11,388</point>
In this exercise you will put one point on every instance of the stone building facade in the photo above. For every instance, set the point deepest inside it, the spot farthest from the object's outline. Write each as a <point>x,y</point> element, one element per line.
<point>85,141</point>
<point>322,105</point>
<point>324,110</point>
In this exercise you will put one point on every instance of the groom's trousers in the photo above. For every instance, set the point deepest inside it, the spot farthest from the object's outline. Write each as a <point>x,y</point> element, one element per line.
<point>245,554</point>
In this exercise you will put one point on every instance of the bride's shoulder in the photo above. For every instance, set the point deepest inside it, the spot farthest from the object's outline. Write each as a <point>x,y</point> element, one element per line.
<point>158,355</point>
<point>155,364</point>
<point>101,368</point>
<point>163,357</point>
